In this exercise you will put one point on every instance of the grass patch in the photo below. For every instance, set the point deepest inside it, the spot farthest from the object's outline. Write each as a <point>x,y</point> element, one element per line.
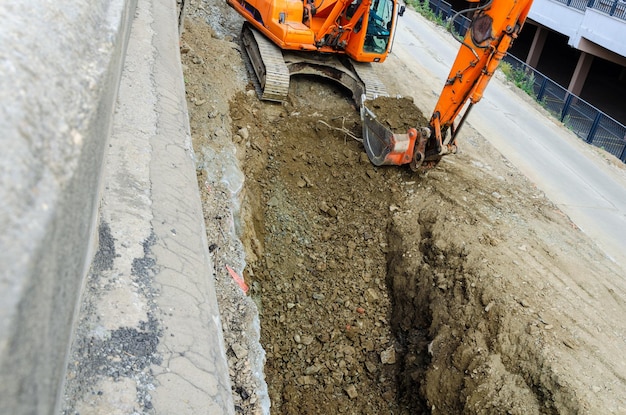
<point>520,78</point>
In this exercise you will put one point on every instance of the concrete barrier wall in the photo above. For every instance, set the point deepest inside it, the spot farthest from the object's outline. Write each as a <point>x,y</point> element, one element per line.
<point>60,65</point>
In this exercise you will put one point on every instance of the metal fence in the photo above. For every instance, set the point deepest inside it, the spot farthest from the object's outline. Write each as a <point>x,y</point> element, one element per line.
<point>583,119</point>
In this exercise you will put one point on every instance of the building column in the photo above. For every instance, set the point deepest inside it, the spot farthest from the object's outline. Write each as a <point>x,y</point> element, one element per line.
<point>541,34</point>
<point>580,73</point>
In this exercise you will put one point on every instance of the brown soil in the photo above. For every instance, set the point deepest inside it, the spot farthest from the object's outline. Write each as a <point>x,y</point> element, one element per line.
<point>397,113</point>
<point>379,291</point>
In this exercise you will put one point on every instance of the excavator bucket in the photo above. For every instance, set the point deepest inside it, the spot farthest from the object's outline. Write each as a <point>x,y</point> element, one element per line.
<point>384,147</point>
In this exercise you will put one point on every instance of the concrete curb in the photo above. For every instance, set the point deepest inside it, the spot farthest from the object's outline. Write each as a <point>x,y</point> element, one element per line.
<point>149,338</point>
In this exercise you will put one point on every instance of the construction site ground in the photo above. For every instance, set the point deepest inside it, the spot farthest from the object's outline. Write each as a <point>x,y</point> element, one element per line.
<point>382,291</point>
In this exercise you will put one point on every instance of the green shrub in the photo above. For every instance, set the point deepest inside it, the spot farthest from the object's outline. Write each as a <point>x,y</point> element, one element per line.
<point>422,8</point>
<point>520,78</point>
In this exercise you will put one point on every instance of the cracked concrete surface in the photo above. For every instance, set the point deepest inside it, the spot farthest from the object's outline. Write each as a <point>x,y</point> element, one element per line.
<point>149,339</point>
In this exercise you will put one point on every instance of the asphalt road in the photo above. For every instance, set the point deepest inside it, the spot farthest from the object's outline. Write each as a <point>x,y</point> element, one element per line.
<point>587,189</point>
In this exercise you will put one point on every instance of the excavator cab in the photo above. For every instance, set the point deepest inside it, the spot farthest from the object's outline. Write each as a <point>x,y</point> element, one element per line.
<point>370,42</point>
<point>379,24</point>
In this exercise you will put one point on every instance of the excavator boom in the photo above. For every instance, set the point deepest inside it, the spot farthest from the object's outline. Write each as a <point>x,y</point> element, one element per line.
<point>491,33</point>
<point>494,26</point>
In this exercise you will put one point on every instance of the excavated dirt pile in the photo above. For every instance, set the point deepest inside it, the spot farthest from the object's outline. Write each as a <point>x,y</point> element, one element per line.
<point>397,113</point>
<point>381,291</point>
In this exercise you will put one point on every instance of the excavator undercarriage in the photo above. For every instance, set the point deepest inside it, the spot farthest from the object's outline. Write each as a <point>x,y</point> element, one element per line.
<point>274,67</point>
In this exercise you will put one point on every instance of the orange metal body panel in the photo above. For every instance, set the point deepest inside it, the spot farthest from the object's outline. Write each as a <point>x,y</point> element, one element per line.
<point>292,34</point>
<point>283,22</point>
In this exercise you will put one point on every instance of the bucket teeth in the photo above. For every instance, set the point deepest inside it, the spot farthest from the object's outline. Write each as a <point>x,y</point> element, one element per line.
<point>377,138</point>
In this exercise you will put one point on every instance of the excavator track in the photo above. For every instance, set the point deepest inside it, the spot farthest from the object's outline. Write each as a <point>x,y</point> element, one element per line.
<point>373,86</point>
<point>268,64</point>
<point>273,67</point>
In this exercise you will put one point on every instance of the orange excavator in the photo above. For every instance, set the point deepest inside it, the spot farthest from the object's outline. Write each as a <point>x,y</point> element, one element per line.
<point>341,39</point>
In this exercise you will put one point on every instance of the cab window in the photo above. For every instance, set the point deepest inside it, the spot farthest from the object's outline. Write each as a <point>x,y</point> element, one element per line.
<point>378,26</point>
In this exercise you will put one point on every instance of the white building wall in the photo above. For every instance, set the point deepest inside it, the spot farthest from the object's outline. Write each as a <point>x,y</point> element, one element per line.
<point>556,16</point>
<point>599,28</point>
<point>606,31</point>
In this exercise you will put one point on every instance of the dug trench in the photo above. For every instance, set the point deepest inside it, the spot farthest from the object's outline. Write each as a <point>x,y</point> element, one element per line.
<point>371,286</point>
<point>378,290</point>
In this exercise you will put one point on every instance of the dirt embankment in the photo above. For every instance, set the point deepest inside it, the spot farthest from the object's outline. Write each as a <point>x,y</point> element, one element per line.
<point>381,291</point>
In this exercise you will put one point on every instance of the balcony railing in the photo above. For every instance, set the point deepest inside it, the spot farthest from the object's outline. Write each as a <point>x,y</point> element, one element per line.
<point>615,8</point>
<point>577,4</point>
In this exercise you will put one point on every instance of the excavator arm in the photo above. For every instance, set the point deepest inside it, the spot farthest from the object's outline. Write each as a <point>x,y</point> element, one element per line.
<point>494,26</point>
